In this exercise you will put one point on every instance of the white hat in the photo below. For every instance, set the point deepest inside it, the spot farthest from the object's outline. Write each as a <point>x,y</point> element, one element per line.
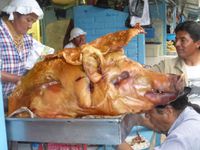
<point>75,32</point>
<point>23,7</point>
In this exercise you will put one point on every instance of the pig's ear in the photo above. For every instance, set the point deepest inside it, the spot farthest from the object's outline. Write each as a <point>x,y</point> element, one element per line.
<point>72,56</point>
<point>93,61</point>
<point>117,40</point>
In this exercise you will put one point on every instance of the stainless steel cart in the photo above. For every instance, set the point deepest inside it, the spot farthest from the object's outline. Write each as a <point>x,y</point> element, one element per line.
<point>107,131</point>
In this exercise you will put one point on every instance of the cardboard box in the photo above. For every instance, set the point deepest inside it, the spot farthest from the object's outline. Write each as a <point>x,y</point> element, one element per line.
<point>153,50</point>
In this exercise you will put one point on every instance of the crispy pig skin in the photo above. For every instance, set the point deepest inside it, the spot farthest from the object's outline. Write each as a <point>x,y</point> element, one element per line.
<point>95,79</point>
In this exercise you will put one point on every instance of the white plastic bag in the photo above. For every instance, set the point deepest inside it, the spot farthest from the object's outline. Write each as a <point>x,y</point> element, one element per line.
<point>37,53</point>
<point>145,19</point>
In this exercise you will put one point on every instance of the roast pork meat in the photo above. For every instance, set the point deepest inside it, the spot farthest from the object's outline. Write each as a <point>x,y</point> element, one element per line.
<point>95,79</point>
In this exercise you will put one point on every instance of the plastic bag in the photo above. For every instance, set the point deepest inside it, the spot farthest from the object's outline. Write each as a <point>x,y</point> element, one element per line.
<point>37,53</point>
<point>144,20</point>
<point>136,7</point>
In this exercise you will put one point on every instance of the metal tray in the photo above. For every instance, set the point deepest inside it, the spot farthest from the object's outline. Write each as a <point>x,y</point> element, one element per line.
<point>109,131</point>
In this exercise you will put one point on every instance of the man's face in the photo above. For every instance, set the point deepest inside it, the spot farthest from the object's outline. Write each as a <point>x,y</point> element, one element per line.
<point>159,120</point>
<point>185,46</point>
<point>79,41</point>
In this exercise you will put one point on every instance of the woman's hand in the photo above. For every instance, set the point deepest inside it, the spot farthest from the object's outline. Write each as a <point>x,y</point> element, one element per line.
<point>7,77</point>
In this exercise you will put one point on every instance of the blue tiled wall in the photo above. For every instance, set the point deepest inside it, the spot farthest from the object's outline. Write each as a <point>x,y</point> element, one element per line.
<point>99,21</point>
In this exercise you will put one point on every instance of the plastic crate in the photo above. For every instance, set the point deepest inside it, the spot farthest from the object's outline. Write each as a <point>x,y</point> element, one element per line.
<point>171,37</point>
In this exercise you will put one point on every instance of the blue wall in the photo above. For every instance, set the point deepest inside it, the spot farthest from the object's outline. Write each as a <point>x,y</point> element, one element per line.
<point>99,21</point>
<point>158,12</point>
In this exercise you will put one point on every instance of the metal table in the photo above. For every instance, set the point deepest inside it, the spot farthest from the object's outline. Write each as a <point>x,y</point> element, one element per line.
<point>107,131</point>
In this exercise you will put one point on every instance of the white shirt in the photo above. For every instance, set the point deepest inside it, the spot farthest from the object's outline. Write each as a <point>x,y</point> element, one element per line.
<point>70,45</point>
<point>184,134</point>
<point>193,73</point>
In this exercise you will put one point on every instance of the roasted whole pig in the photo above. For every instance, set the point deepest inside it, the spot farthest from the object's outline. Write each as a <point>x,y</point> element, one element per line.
<point>95,79</point>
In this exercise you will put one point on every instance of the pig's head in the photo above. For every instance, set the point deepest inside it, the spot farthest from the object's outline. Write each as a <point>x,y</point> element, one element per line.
<point>164,87</point>
<point>136,82</point>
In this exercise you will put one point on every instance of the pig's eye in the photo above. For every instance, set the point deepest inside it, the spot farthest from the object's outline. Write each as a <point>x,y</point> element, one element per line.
<point>124,75</point>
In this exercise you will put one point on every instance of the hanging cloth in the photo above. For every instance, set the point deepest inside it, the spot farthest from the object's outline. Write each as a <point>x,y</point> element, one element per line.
<point>139,15</point>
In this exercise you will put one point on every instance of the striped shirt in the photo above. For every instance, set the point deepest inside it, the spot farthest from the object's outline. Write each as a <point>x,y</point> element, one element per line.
<point>12,60</point>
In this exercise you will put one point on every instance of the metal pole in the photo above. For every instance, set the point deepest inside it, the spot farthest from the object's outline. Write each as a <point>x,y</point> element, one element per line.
<point>3,137</point>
